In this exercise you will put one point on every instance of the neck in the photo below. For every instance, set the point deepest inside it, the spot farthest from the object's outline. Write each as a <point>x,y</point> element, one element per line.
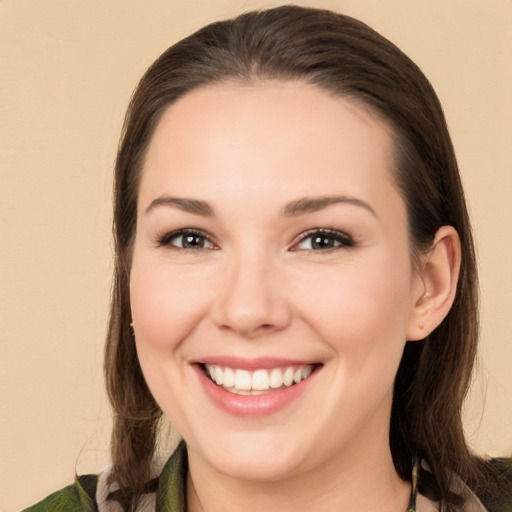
<point>364,480</point>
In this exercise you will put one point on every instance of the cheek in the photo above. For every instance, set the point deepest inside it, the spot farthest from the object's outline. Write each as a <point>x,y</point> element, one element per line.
<point>358,306</point>
<point>166,302</point>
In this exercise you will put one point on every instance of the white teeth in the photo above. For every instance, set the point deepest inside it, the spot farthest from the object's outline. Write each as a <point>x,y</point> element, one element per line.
<point>229,378</point>
<point>219,376</point>
<point>288,377</point>
<point>306,372</point>
<point>242,380</point>
<point>276,378</point>
<point>258,382</point>
<point>241,391</point>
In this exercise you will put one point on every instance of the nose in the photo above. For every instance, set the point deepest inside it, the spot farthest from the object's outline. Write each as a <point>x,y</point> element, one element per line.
<point>250,300</point>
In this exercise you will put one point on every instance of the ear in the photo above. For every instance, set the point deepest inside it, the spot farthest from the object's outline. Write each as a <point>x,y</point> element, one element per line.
<point>435,284</point>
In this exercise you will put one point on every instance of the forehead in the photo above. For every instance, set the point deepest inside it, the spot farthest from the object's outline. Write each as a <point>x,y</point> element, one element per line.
<point>267,137</point>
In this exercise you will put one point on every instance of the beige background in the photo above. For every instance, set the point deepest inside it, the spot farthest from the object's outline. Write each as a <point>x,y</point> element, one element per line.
<point>67,69</point>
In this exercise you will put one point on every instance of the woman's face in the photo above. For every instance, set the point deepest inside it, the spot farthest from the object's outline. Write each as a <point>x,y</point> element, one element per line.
<point>272,256</point>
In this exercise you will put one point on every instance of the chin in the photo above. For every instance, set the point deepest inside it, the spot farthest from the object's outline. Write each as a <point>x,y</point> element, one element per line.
<point>257,470</point>
<point>259,460</point>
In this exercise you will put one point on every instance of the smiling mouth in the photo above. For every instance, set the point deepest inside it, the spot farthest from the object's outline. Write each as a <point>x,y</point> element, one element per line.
<point>260,381</point>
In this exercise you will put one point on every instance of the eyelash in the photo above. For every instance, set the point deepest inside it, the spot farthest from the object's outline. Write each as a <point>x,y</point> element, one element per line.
<point>342,239</point>
<point>339,238</point>
<point>165,240</point>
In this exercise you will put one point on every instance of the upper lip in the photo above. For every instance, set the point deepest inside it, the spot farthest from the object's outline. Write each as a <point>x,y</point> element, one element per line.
<point>253,363</point>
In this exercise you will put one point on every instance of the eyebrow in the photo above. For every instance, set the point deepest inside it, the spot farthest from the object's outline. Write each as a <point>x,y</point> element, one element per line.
<point>194,206</point>
<point>315,204</point>
<point>291,209</point>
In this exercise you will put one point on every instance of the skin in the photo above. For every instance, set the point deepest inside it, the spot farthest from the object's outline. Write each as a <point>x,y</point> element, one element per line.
<point>258,288</point>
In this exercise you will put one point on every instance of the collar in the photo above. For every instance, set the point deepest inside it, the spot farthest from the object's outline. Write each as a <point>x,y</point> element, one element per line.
<point>173,482</point>
<point>172,485</point>
<point>171,493</point>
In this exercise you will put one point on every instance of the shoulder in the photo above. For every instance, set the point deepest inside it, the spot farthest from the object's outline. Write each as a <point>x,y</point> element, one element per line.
<point>94,493</point>
<point>79,497</point>
<point>497,495</point>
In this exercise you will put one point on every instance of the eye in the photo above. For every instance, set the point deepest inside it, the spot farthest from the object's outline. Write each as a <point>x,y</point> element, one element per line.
<point>187,239</point>
<point>323,240</point>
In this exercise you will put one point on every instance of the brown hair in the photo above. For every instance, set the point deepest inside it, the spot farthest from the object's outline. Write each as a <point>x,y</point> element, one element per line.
<point>343,56</point>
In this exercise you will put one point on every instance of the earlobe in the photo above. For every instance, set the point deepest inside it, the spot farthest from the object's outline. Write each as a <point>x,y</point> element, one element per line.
<point>438,273</point>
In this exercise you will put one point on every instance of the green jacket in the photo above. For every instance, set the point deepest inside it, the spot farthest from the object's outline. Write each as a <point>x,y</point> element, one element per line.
<point>82,496</point>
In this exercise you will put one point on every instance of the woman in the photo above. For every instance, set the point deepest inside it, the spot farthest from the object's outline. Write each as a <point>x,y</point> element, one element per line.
<point>295,281</point>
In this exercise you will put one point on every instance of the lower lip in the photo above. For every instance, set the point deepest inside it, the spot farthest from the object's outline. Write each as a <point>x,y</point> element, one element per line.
<point>253,405</point>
